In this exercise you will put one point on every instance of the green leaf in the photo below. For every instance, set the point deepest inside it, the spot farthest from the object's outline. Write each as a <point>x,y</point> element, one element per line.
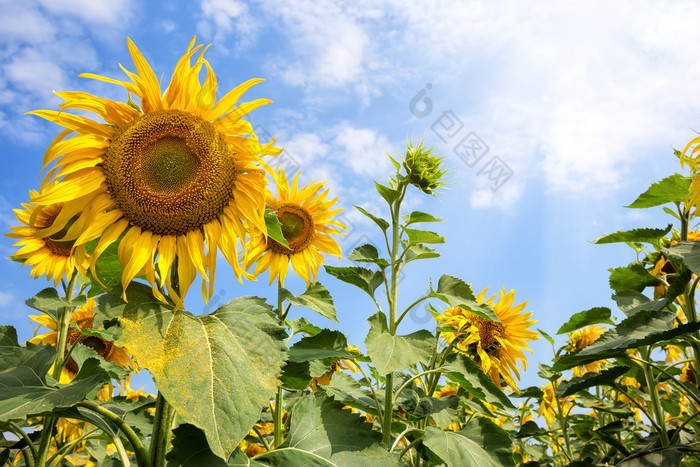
<point>387,193</point>
<point>302,325</point>
<point>48,301</point>
<point>350,391</point>
<point>422,236</point>
<point>295,376</point>
<point>586,318</point>
<point>190,449</point>
<point>108,269</point>
<point>634,235</point>
<point>377,220</point>
<point>316,298</point>
<point>532,391</point>
<point>642,328</point>
<point>687,252</point>
<point>216,370</point>
<point>632,277</point>
<point>455,449</point>
<point>325,344</point>
<point>418,216</point>
<point>605,377</point>
<point>456,292</point>
<point>274,228</point>
<point>24,391</point>
<point>323,434</point>
<point>491,438</point>
<point>392,353</point>
<point>631,301</point>
<point>419,251</point>
<point>671,189</point>
<point>368,254</point>
<point>546,336</point>
<point>463,371</point>
<point>364,278</point>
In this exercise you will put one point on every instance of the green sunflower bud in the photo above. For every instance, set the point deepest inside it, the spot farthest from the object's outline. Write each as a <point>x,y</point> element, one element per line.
<point>424,169</point>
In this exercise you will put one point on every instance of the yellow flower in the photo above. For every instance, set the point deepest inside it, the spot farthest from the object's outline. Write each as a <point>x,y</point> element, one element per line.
<point>163,180</point>
<point>673,353</point>
<point>83,318</point>
<point>548,405</point>
<point>583,338</point>
<point>448,390</point>
<point>307,224</point>
<point>688,374</point>
<point>337,365</point>
<point>48,255</point>
<point>496,346</point>
<point>663,268</point>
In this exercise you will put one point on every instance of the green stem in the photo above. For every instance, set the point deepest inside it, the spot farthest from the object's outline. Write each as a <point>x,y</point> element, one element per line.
<point>262,439</point>
<point>142,457</point>
<point>653,392</point>
<point>374,393</point>
<point>562,422</point>
<point>20,433</point>
<point>279,400</point>
<point>162,428</point>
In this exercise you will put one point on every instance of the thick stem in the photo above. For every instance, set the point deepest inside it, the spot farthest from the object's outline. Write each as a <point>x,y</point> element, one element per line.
<point>160,436</point>
<point>279,400</point>
<point>653,392</point>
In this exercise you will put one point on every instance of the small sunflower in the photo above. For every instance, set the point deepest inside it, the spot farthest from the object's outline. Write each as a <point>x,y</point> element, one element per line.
<point>583,338</point>
<point>82,317</point>
<point>307,224</point>
<point>164,179</point>
<point>664,269</point>
<point>548,404</point>
<point>496,346</point>
<point>48,255</point>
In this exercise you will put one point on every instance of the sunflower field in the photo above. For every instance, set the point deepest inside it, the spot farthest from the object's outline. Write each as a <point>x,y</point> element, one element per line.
<point>136,203</point>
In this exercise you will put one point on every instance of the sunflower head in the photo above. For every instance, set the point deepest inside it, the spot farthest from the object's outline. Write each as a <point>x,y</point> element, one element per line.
<point>423,168</point>
<point>175,177</point>
<point>306,218</point>
<point>43,246</point>
<point>497,346</point>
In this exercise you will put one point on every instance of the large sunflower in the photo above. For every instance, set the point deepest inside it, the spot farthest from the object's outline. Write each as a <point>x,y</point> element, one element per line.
<point>48,255</point>
<point>307,224</point>
<point>496,346</point>
<point>164,179</point>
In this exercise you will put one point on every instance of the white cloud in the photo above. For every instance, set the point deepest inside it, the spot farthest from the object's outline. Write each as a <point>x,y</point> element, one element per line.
<point>6,299</point>
<point>363,150</point>
<point>111,12</point>
<point>222,18</point>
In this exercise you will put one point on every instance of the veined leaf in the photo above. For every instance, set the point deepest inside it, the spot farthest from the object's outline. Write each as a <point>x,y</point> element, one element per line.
<point>190,449</point>
<point>491,438</point>
<point>422,236</point>
<point>455,449</point>
<point>274,228</point>
<point>632,277</point>
<point>605,377</point>
<point>418,216</point>
<point>419,251</point>
<point>456,292</point>
<point>390,195</point>
<point>346,389</point>
<point>671,189</point>
<point>392,353</point>
<point>586,318</point>
<point>634,235</point>
<point>216,370</point>
<point>48,301</point>
<point>463,371</point>
<point>377,220</point>
<point>368,253</point>
<point>323,434</point>
<point>325,344</point>
<point>688,252</point>
<point>316,298</point>
<point>364,278</point>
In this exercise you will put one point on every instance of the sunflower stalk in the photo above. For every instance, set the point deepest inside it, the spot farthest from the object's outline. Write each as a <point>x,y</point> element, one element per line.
<point>279,399</point>
<point>162,429</point>
<point>653,392</point>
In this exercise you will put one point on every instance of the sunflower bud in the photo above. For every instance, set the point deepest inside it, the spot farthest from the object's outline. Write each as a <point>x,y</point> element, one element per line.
<point>423,169</point>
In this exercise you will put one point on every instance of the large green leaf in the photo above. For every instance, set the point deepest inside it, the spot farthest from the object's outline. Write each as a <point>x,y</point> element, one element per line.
<point>671,189</point>
<point>418,216</point>
<point>605,377</point>
<point>392,353</point>
<point>586,318</point>
<point>48,301</point>
<point>455,449</point>
<point>631,302</point>
<point>190,449</point>
<point>316,298</point>
<point>364,278</point>
<point>325,344</point>
<point>419,251</point>
<point>216,370</point>
<point>418,406</point>
<point>323,434</point>
<point>688,252</point>
<point>24,390</point>
<point>11,353</point>
<point>377,220</point>
<point>491,438</point>
<point>634,235</point>
<point>368,253</point>
<point>423,236</point>
<point>632,277</point>
<point>642,328</point>
<point>350,391</point>
<point>455,292</point>
<point>462,370</point>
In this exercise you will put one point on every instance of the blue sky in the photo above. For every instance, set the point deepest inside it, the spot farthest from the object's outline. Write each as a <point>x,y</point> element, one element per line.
<point>552,116</point>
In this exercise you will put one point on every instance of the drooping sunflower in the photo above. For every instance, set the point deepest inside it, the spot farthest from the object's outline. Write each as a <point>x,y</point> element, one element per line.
<point>48,255</point>
<point>163,179</point>
<point>548,404</point>
<point>582,338</point>
<point>83,317</point>
<point>306,218</point>
<point>495,346</point>
<point>664,269</point>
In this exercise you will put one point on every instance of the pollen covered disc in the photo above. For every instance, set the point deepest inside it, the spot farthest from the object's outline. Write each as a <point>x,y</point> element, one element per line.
<point>170,172</point>
<point>297,228</point>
